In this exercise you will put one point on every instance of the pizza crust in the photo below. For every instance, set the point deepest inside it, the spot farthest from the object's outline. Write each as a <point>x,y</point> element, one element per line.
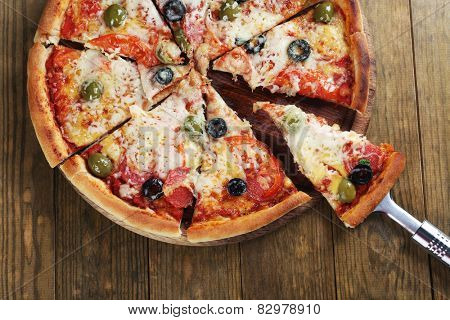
<point>377,191</point>
<point>141,221</point>
<point>359,51</point>
<point>47,130</point>
<point>51,20</point>
<point>217,230</point>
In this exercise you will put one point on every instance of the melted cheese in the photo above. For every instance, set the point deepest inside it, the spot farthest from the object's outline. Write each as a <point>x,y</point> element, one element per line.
<point>154,141</point>
<point>317,148</point>
<point>328,46</point>
<point>142,17</point>
<point>86,121</point>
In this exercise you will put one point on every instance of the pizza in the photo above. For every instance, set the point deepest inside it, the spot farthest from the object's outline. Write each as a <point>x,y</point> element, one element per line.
<point>120,101</point>
<point>314,55</point>
<point>78,96</point>
<point>352,173</point>
<point>187,19</point>
<point>150,170</point>
<point>132,28</point>
<point>144,173</point>
<point>241,186</point>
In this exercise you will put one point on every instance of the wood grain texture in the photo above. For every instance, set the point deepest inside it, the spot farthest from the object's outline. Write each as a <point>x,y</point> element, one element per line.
<point>430,25</point>
<point>295,262</point>
<point>377,260</point>
<point>194,273</point>
<point>26,182</point>
<point>96,259</point>
<point>43,220</point>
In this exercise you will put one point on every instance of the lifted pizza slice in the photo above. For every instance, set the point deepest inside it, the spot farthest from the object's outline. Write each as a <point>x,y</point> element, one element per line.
<point>130,28</point>
<point>242,186</point>
<point>142,176</point>
<point>320,54</point>
<point>352,173</point>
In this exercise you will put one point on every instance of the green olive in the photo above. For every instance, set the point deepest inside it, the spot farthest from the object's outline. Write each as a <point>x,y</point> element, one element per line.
<point>181,40</point>
<point>292,121</point>
<point>347,191</point>
<point>91,90</point>
<point>229,10</point>
<point>99,165</point>
<point>115,16</point>
<point>193,126</point>
<point>165,51</point>
<point>324,12</point>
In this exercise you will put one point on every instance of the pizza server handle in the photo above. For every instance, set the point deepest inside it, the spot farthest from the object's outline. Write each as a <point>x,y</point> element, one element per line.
<point>425,234</point>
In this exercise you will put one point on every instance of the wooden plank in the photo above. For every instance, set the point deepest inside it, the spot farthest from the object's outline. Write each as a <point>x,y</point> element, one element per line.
<point>26,181</point>
<point>431,38</point>
<point>377,260</point>
<point>295,262</point>
<point>194,273</point>
<point>96,259</point>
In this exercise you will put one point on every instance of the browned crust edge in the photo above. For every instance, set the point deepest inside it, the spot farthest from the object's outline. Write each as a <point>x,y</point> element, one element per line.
<point>51,20</point>
<point>361,64</point>
<point>377,191</point>
<point>212,231</point>
<point>47,130</point>
<point>141,221</point>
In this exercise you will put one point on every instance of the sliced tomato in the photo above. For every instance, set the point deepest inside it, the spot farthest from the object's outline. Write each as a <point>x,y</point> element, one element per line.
<point>61,56</point>
<point>268,174</point>
<point>129,46</point>
<point>76,19</point>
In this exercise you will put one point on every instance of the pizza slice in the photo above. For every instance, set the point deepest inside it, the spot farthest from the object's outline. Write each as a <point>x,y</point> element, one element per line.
<point>158,82</point>
<point>187,19</point>
<point>142,175</point>
<point>242,186</point>
<point>230,23</point>
<point>353,174</point>
<point>130,28</point>
<point>75,97</point>
<point>320,54</point>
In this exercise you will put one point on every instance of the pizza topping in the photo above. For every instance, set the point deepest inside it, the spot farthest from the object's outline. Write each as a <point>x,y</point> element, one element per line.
<point>193,126</point>
<point>293,121</point>
<point>347,191</point>
<point>236,187</point>
<point>265,184</point>
<point>299,50</point>
<point>115,16</point>
<point>217,128</point>
<point>153,189</point>
<point>256,44</point>
<point>91,90</point>
<point>129,46</point>
<point>175,189</point>
<point>174,10</point>
<point>324,12</point>
<point>164,76</point>
<point>100,165</point>
<point>167,52</point>
<point>181,40</point>
<point>361,174</point>
<point>229,11</point>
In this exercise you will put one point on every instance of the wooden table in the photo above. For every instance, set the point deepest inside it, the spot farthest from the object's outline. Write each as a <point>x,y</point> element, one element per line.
<point>54,245</point>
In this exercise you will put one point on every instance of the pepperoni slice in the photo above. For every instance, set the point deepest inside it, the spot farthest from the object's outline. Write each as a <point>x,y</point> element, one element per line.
<point>176,176</point>
<point>180,197</point>
<point>370,152</point>
<point>268,175</point>
<point>130,46</point>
